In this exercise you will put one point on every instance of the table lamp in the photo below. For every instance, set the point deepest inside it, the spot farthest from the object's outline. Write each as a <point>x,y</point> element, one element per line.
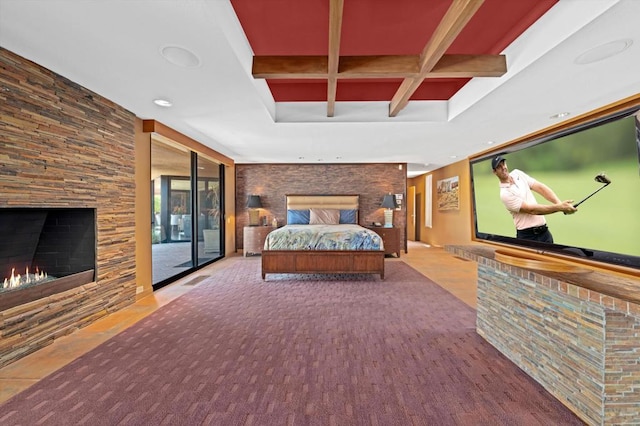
<point>389,203</point>
<point>254,204</point>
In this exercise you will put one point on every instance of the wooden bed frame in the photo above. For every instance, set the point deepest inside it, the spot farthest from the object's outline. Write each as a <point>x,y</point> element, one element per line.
<point>322,261</point>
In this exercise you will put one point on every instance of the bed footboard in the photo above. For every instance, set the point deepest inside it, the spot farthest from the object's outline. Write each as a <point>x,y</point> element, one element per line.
<point>322,262</point>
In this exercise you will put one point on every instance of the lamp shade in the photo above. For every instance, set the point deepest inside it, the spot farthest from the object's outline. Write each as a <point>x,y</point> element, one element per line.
<point>253,202</point>
<point>389,202</point>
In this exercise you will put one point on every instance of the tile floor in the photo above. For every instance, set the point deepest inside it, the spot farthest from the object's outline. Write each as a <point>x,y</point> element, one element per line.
<point>456,275</point>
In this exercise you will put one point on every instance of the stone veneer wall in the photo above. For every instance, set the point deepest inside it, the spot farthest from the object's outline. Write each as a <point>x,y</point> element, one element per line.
<point>581,345</point>
<point>62,145</point>
<point>274,181</point>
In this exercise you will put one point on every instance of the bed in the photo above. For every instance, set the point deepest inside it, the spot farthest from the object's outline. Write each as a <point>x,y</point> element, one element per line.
<point>328,254</point>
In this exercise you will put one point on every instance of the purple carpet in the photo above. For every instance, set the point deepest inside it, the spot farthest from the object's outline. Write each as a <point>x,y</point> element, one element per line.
<point>292,350</point>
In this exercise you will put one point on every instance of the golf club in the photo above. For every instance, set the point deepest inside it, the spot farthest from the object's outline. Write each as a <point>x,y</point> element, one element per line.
<point>602,178</point>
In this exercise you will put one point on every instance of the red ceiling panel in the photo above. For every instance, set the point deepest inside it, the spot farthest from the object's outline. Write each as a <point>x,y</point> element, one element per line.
<point>389,27</point>
<point>285,27</point>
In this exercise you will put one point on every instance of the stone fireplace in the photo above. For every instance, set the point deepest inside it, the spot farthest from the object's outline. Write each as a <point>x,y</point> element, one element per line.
<point>68,187</point>
<point>44,251</point>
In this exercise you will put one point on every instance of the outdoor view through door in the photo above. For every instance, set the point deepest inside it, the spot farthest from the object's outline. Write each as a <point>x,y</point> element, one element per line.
<point>186,211</point>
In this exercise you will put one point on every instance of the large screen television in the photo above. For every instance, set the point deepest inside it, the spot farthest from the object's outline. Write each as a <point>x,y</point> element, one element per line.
<point>606,227</point>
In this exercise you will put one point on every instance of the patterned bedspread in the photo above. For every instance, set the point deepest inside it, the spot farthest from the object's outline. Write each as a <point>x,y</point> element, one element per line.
<point>323,237</point>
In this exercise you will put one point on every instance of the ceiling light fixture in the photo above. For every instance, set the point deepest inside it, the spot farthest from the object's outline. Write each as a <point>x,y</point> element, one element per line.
<point>180,56</point>
<point>162,102</point>
<point>560,115</point>
<point>603,51</point>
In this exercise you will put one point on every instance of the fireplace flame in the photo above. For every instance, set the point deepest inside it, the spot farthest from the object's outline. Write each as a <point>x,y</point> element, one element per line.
<point>17,280</point>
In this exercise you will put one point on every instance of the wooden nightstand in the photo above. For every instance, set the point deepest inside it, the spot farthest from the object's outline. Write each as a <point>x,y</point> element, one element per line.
<point>253,239</point>
<point>390,238</point>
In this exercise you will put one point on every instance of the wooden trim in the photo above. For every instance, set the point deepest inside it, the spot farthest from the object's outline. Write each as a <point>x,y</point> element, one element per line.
<point>531,261</point>
<point>144,285</point>
<point>593,265</point>
<point>153,126</point>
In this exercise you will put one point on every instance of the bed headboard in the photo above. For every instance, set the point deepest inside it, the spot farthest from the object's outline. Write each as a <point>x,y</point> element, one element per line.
<point>301,202</point>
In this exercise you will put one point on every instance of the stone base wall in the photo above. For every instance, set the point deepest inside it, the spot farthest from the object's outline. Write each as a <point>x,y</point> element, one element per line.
<point>581,345</point>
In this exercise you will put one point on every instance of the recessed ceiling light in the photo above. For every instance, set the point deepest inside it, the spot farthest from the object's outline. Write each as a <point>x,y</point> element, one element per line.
<point>560,115</point>
<point>490,142</point>
<point>603,51</point>
<point>453,156</point>
<point>180,56</point>
<point>162,102</point>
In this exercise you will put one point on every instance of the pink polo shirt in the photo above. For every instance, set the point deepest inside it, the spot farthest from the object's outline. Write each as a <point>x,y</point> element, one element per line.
<point>513,195</point>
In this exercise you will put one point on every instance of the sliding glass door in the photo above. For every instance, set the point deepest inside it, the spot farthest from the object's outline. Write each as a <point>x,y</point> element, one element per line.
<point>187,191</point>
<point>209,207</point>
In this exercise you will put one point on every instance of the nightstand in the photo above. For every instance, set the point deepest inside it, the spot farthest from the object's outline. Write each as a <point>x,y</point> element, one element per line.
<point>390,238</point>
<point>253,239</point>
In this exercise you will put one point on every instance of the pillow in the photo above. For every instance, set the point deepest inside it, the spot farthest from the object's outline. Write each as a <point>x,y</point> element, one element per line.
<point>349,216</point>
<point>324,217</point>
<point>297,217</point>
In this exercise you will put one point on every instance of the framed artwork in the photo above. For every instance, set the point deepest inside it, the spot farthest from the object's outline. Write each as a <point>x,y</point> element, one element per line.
<point>399,198</point>
<point>448,194</point>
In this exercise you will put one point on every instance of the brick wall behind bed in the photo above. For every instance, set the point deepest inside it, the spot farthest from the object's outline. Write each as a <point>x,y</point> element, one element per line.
<point>273,181</point>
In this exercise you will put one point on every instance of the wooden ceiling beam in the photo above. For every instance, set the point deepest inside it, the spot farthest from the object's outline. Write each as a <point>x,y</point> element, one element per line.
<point>453,22</point>
<point>469,66</point>
<point>335,28</point>
<point>383,66</point>
<point>290,67</point>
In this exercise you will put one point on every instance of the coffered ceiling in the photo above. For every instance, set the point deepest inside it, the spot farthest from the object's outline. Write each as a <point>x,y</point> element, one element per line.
<point>426,82</point>
<point>384,51</point>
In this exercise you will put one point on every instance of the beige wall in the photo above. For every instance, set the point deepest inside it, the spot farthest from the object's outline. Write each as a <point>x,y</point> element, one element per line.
<point>449,226</point>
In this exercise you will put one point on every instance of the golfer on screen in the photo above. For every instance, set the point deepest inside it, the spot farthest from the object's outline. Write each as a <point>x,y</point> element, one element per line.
<point>528,215</point>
